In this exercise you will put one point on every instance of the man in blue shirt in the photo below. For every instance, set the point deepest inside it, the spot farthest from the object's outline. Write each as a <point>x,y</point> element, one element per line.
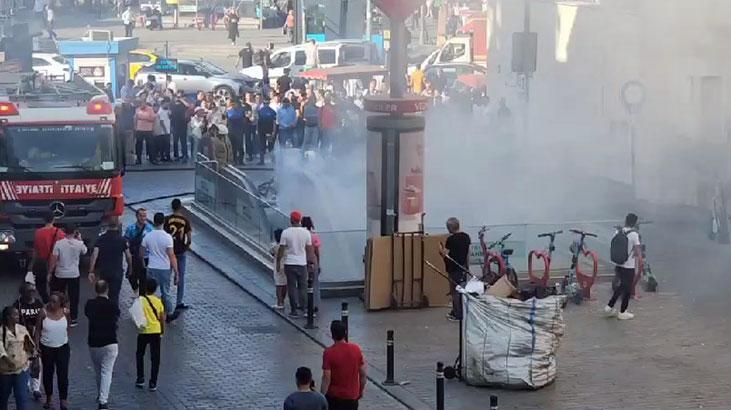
<point>134,234</point>
<point>265,129</point>
<point>236,124</point>
<point>287,120</point>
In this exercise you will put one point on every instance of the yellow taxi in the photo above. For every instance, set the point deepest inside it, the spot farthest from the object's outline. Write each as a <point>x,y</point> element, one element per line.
<point>140,58</point>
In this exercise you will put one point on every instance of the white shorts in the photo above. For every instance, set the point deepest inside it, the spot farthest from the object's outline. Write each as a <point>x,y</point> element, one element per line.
<point>280,279</point>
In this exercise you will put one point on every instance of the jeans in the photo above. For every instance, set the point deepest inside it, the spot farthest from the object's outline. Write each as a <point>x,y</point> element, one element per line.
<point>162,144</point>
<point>128,30</point>
<point>458,278</point>
<point>296,286</point>
<point>142,137</point>
<point>56,359</point>
<point>181,280</point>
<point>310,141</point>
<point>103,359</point>
<point>18,385</point>
<point>193,147</point>
<point>162,277</point>
<point>626,278</point>
<point>69,286</point>
<point>154,341</point>
<point>40,271</point>
<point>180,139</point>
<point>250,141</point>
<point>286,135</point>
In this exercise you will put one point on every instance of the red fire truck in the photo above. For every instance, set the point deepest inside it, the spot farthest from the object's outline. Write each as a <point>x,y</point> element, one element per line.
<point>58,153</point>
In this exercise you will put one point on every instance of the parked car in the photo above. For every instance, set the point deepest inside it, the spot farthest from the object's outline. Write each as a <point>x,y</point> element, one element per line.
<point>52,65</point>
<point>200,75</point>
<point>140,58</point>
<point>330,53</point>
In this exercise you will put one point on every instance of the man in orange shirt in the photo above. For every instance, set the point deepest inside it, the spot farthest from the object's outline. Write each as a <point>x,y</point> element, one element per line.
<point>343,371</point>
<point>44,239</point>
<point>144,125</point>
<point>289,26</point>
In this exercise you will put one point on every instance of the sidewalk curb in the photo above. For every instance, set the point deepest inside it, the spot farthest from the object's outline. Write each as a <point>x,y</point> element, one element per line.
<point>375,375</point>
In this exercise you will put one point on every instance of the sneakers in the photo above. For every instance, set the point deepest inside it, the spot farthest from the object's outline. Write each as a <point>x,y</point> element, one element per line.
<point>278,307</point>
<point>625,316</point>
<point>452,318</point>
<point>610,311</point>
<point>140,383</point>
<point>153,386</point>
<point>103,406</point>
<point>182,306</point>
<point>74,323</point>
<point>172,317</point>
<point>293,314</point>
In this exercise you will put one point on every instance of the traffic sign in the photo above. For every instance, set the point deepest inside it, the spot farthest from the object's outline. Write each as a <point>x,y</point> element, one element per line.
<point>398,9</point>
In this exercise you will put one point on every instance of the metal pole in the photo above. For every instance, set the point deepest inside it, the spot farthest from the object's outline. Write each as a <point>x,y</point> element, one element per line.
<point>261,14</point>
<point>310,302</point>
<point>344,318</point>
<point>422,24</point>
<point>526,115</point>
<point>397,59</point>
<point>167,48</point>
<point>302,32</point>
<point>632,153</point>
<point>440,386</point>
<point>389,359</point>
<point>343,29</point>
<point>369,19</point>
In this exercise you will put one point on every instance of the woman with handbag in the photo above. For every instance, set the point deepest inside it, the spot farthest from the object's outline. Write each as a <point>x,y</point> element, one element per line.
<point>52,336</point>
<point>15,350</point>
<point>30,307</point>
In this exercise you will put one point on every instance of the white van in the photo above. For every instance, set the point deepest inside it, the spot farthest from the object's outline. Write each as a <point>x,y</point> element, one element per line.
<point>330,53</point>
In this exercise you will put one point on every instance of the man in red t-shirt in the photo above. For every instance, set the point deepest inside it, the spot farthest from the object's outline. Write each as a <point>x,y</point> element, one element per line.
<point>44,239</point>
<point>343,371</point>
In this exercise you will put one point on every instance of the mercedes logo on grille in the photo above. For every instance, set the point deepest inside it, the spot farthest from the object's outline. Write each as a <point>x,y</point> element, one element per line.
<point>58,209</point>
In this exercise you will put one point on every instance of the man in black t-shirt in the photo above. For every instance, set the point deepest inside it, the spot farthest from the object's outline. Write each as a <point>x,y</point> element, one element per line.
<point>103,315</point>
<point>178,226</point>
<point>457,248</point>
<point>179,126</point>
<point>247,56</point>
<point>284,83</point>
<point>107,259</point>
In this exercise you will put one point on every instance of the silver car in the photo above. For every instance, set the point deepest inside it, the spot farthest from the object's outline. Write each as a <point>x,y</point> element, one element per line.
<point>200,75</point>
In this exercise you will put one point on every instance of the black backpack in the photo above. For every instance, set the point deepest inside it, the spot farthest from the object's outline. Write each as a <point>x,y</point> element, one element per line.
<point>619,248</point>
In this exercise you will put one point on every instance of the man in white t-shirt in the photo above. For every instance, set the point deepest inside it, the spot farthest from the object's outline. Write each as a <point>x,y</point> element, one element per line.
<point>162,262</point>
<point>626,271</point>
<point>296,254</point>
<point>63,268</point>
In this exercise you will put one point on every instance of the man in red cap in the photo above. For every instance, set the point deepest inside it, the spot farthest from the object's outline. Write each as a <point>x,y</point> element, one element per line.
<point>295,252</point>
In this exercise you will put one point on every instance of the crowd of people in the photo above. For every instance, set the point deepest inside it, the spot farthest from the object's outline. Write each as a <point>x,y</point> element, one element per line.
<point>161,123</point>
<point>35,349</point>
<point>36,327</point>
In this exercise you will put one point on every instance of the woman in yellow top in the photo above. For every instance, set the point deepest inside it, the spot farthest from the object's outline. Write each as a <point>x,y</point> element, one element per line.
<point>150,334</point>
<point>15,350</point>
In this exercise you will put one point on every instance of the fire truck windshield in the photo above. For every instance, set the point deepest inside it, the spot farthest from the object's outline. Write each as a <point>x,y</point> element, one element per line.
<point>31,148</point>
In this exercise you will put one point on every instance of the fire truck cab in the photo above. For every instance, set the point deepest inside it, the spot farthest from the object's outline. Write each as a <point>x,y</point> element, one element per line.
<point>59,153</point>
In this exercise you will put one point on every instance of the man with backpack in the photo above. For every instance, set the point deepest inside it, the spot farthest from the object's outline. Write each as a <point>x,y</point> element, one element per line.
<point>624,252</point>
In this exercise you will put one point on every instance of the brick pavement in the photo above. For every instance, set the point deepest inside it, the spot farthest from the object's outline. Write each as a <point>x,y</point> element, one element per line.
<point>674,355</point>
<point>227,352</point>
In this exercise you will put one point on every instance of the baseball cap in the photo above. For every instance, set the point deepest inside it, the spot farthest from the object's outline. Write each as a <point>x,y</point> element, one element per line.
<point>295,216</point>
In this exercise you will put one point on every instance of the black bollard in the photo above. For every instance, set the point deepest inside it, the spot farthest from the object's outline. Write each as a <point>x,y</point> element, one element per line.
<point>310,303</point>
<point>493,402</point>
<point>344,317</point>
<point>440,386</point>
<point>389,359</point>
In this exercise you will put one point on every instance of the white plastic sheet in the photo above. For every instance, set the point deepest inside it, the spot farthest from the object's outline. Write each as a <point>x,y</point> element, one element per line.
<point>511,343</point>
<point>137,313</point>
